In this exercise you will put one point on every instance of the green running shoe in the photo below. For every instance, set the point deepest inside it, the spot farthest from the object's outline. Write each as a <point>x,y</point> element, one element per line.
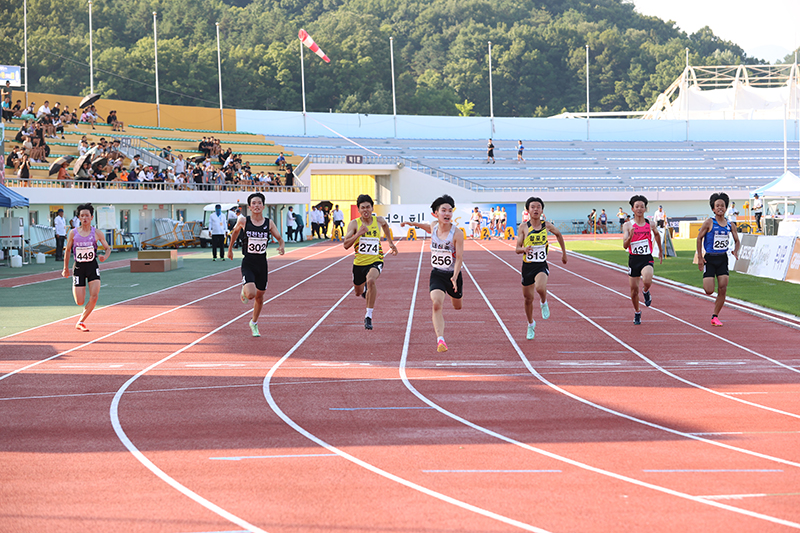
<point>254,329</point>
<point>531,331</point>
<point>545,311</point>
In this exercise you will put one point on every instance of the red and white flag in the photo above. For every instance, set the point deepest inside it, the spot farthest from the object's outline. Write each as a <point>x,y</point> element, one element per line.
<point>309,42</point>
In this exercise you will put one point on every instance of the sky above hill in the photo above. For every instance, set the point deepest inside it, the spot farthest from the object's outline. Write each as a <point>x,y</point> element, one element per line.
<point>766,29</point>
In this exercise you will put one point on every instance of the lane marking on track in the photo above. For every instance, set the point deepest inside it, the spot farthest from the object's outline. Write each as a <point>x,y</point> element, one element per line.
<point>743,496</point>
<point>492,471</point>
<point>710,470</point>
<point>356,460</point>
<point>551,455</point>
<point>693,326</point>
<point>375,408</point>
<point>22,369</point>
<point>123,437</point>
<point>295,456</point>
<point>204,278</point>
<point>643,357</point>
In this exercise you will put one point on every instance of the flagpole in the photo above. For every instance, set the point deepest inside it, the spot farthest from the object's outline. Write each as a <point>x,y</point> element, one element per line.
<point>219,74</point>
<point>155,49</point>
<point>587,92</point>
<point>91,52</point>
<point>303,83</point>
<point>394,101</point>
<point>25,16</point>
<point>491,95</point>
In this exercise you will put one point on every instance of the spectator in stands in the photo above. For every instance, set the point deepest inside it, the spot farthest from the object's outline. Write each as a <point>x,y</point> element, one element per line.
<point>83,173</point>
<point>228,162</point>
<point>180,164</point>
<point>40,148</point>
<point>204,148</point>
<point>223,157</point>
<point>63,173</point>
<point>490,152</point>
<point>29,113</point>
<point>68,117</point>
<point>14,158</point>
<point>7,91</point>
<point>116,124</point>
<point>17,109</point>
<point>216,148</point>
<point>24,170</point>
<point>56,109</point>
<point>134,162</point>
<point>58,126</point>
<point>44,109</point>
<point>197,176</point>
<point>88,117</point>
<point>82,148</point>
<point>8,115</point>
<point>281,162</point>
<point>27,145</point>
<point>166,153</point>
<point>289,176</point>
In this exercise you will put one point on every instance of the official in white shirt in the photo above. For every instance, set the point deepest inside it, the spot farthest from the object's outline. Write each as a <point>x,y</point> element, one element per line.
<point>218,225</point>
<point>290,224</point>
<point>61,234</point>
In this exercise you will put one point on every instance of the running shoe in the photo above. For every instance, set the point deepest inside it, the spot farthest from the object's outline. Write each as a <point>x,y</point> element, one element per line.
<point>531,331</point>
<point>441,346</point>
<point>715,321</point>
<point>545,310</point>
<point>244,298</point>
<point>637,318</point>
<point>647,299</point>
<point>80,326</point>
<point>364,294</point>
<point>254,329</point>
<point>367,322</point>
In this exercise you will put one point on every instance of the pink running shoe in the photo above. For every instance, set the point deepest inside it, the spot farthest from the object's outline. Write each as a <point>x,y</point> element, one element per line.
<point>715,321</point>
<point>441,346</point>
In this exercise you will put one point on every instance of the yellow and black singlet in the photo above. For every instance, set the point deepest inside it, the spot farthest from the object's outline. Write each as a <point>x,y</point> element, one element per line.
<point>368,246</point>
<point>538,240</point>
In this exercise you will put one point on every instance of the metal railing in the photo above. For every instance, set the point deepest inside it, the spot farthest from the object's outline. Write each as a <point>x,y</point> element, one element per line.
<point>147,186</point>
<point>131,146</point>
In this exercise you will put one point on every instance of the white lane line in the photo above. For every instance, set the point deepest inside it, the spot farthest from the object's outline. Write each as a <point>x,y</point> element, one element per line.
<point>294,456</point>
<point>22,369</point>
<point>123,437</point>
<point>356,460</point>
<point>100,308</point>
<point>643,357</point>
<point>567,460</point>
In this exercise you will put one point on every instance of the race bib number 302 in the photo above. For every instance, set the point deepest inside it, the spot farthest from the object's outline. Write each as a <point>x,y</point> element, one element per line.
<point>442,259</point>
<point>84,254</point>
<point>369,246</point>
<point>256,246</point>
<point>641,247</point>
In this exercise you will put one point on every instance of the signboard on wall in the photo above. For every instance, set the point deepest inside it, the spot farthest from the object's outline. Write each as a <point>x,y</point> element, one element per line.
<point>10,73</point>
<point>771,257</point>
<point>746,252</point>
<point>793,272</point>
<point>421,213</point>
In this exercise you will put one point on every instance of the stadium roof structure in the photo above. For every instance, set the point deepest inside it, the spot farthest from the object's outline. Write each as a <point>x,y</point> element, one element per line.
<point>743,92</point>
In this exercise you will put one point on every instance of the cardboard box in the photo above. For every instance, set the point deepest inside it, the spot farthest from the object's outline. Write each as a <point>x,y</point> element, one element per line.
<point>172,255</point>
<point>150,265</point>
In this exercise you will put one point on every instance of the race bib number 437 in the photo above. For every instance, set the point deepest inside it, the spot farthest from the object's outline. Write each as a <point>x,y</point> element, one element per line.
<point>369,246</point>
<point>641,247</point>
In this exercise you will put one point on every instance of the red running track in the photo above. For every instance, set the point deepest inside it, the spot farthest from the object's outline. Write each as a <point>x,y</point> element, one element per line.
<point>174,419</point>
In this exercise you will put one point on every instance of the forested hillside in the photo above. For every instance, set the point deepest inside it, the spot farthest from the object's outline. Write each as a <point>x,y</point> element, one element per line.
<point>441,57</point>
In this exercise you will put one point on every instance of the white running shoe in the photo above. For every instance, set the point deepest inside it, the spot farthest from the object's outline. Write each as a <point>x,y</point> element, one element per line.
<point>545,310</point>
<point>531,331</point>
<point>254,329</point>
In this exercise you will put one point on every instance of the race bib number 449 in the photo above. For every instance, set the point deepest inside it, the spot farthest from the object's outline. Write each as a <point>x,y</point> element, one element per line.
<point>256,246</point>
<point>369,246</point>
<point>84,254</point>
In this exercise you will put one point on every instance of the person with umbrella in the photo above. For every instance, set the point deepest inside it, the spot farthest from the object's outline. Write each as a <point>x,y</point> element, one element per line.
<point>59,166</point>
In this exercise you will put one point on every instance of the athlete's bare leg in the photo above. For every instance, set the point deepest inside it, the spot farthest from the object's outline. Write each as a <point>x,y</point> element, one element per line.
<point>437,300</point>
<point>94,291</point>
<point>372,287</point>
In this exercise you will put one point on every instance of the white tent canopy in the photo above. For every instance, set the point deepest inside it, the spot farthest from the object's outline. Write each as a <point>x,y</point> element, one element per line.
<point>786,186</point>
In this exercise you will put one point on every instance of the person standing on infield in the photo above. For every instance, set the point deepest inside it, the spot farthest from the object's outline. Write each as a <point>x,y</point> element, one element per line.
<point>712,251</point>
<point>218,225</point>
<point>82,242</point>
<point>257,230</point>
<point>364,234</point>
<point>532,242</point>
<point>638,236</point>
<point>447,253</point>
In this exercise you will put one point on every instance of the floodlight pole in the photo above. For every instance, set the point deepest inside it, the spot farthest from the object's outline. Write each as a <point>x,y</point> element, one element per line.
<point>394,100</point>
<point>25,16</point>
<point>491,95</point>
<point>219,74</point>
<point>91,52</point>
<point>303,85</point>
<point>587,92</point>
<point>155,50</point>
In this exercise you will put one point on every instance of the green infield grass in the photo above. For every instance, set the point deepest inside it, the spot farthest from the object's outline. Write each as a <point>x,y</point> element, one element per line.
<point>779,295</point>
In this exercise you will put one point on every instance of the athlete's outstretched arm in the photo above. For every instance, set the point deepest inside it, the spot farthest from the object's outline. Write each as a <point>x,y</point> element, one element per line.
<point>351,235</point>
<point>554,230</point>
<point>106,246</point>
<point>520,249</point>
<point>387,231</point>
<point>736,242</point>
<point>240,222</point>
<point>657,239</point>
<point>424,226</point>
<point>705,228</point>
<point>67,253</point>
<point>274,230</point>
<point>458,241</point>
